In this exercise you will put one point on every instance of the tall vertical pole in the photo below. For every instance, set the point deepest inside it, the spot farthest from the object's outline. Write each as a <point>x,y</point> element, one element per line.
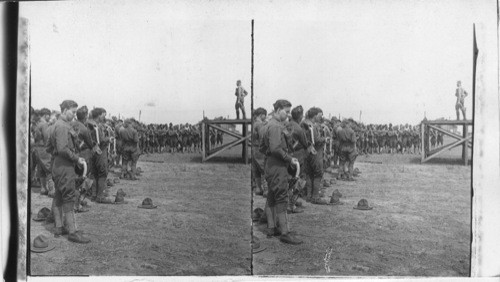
<point>251,104</point>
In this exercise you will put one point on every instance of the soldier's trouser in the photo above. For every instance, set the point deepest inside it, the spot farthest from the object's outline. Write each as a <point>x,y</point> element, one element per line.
<point>314,172</point>
<point>258,168</point>
<point>348,155</point>
<point>43,162</point>
<point>130,156</point>
<point>460,107</point>
<point>63,173</point>
<point>238,106</point>
<point>271,216</point>
<point>277,182</point>
<point>99,169</point>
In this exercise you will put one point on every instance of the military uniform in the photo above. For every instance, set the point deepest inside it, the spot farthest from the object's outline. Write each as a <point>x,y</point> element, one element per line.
<point>348,152</point>
<point>63,146</point>
<point>258,158</point>
<point>240,94</point>
<point>460,93</point>
<point>130,150</point>
<point>276,146</point>
<point>43,158</point>
<point>99,160</point>
<point>314,162</point>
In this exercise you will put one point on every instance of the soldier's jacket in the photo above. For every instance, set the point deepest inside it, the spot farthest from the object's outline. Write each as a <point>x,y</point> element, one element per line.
<point>256,137</point>
<point>319,140</point>
<point>299,137</point>
<point>84,140</point>
<point>130,137</point>
<point>41,133</point>
<point>347,137</point>
<point>62,141</point>
<point>274,141</point>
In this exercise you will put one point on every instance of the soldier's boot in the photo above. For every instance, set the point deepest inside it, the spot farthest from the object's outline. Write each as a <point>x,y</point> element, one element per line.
<point>282,217</point>
<point>102,198</point>
<point>43,183</point>
<point>308,189</point>
<point>316,197</point>
<point>270,213</point>
<point>58,218</point>
<point>73,235</point>
<point>133,167</point>
<point>351,171</point>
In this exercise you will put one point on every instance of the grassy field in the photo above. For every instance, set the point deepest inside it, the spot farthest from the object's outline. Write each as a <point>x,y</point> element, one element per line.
<point>201,225</point>
<point>420,224</point>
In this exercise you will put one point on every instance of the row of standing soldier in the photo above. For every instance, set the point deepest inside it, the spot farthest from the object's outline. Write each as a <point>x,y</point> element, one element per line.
<point>315,144</point>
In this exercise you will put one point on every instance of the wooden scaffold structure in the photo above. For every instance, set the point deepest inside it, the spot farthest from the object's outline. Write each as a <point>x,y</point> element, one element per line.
<point>465,140</point>
<point>243,138</point>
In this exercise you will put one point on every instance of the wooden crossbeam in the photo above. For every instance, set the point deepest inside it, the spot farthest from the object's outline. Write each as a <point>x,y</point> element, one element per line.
<point>226,147</point>
<point>225,131</point>
<point>242,139</point>
<point>451,134</point>
<point>444,148</point>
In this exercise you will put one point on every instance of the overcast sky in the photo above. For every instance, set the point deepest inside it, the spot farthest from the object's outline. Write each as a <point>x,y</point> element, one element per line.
<point>172,61</point>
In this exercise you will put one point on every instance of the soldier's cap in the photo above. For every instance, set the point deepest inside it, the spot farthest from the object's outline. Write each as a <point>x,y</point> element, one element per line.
<point>257,214</point>
<point>281,104</point>
<point>68,104</point>
<point>335,198</point>
<point>363,205</point>
<point>147,203</point>
<point>120,197</point>
<point>41,244</point>
<point>259,111</point>
<point>42,214</point>
<point>256,247</point>
<point>43,112</point>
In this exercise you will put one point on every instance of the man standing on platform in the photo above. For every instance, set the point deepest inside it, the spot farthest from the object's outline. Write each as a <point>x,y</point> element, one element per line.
<point>275,146</point>
<point>240,97</point>
<point>460,93</point>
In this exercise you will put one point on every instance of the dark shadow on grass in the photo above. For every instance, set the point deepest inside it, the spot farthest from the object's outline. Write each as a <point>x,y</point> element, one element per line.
<point>220,159</point>
<point>439,161</point>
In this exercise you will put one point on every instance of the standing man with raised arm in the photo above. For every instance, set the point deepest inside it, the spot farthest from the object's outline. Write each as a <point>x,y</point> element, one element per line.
<point>460,93</point>
<point>240,94</point>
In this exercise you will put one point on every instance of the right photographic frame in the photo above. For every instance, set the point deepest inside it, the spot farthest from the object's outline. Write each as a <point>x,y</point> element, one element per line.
<point>363,140</point>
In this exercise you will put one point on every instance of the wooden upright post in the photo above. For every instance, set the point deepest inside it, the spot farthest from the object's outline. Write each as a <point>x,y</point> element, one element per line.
<point>203,142</point>
<point>465,149</point>
<point>422,147</point>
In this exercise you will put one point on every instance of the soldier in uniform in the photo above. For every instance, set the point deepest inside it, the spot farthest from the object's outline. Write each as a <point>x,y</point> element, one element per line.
<point>314,160</point>
<point>275,146</point>
<point>119,142</point>
<point>100,156</point>
<point>460,93</point>
<point>62,146</point>
<point>348,152</point>
<point>84,146</point>
<point>258,159</point>
<point>42,157</point>
<point>130,155</point>
<point>240,94</point>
